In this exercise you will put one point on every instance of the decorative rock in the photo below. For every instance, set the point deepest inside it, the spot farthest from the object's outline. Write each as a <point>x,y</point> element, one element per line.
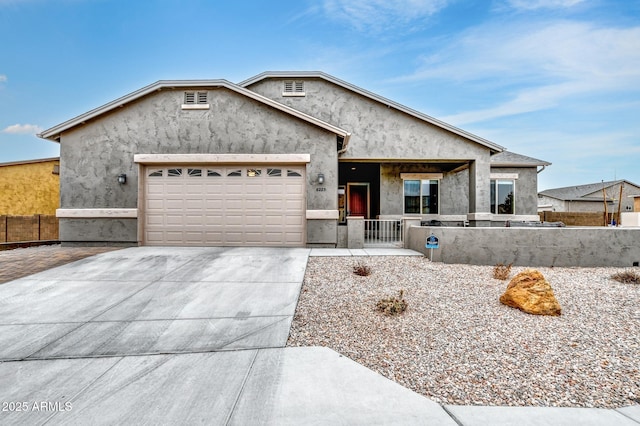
<point>530,292</point>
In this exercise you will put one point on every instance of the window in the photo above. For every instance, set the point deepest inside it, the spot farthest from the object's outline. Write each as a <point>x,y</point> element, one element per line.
<point>195,172</point>
<point>254,172</point>
<point>213,173</point>
<point>293,88</point>
<point>502,198</point>
<point>293,173</point>
<point>421,196</point>
<point>174,172</point>
<point>234,173</point>
<point>155,173</point>
<point>274,172</point>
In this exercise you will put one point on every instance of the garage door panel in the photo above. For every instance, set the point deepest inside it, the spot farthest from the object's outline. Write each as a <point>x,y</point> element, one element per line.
<point>206,206</point>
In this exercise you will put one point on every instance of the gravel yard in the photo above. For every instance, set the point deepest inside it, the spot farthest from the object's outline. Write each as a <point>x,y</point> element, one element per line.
<point>456,343</point>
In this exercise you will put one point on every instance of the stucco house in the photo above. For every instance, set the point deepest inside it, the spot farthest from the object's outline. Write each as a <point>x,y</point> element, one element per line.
<point>30,187</point>
<point>590,197</point>
<point>281,159</point>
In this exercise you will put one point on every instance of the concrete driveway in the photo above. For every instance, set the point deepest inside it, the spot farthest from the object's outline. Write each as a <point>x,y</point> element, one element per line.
<point>153,300</point>
<point>180,336</point>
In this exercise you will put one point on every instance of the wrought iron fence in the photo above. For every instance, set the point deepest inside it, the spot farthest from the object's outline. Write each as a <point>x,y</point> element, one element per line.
<point>383,233</point>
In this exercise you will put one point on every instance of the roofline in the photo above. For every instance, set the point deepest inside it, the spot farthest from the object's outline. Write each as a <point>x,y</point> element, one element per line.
<point>54,132</point>
<point>371,95</point>
<point>38,160</point>
<point>539,163</point>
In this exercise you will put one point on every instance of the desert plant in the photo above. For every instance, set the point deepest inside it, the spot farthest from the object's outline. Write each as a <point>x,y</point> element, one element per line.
<point>502,271</point>
<point>627,277</point>
<point>362,270</point>
<point>392,305</point>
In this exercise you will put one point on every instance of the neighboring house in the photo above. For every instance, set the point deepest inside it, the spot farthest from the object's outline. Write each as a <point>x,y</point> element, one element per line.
<point>590,197</point>
<point>30,187</point>
<point>280,159</point>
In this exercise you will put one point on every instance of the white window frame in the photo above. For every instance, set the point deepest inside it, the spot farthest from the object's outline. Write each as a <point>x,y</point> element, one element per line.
<point>495,180</point>
<point>293,88</point>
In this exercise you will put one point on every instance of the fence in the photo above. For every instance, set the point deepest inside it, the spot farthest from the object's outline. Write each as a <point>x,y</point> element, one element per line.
<point>28,228</point>
<point>382,233</point>
<point>578,218</point>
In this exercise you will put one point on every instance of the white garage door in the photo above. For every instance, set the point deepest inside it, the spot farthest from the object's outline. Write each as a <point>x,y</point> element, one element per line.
<point>227,206</point>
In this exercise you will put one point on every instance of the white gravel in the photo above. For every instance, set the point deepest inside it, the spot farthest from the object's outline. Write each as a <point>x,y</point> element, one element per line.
<point>457,344</point>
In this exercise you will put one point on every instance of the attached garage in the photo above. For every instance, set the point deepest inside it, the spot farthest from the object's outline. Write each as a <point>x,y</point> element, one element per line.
<point>225,205</point>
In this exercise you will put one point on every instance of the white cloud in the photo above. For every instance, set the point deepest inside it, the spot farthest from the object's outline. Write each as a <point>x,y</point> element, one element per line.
<point>3,78</point>
<point>536,65</point>
<point>381,15</point>
<point>22,129</point>
<point>543,4</point>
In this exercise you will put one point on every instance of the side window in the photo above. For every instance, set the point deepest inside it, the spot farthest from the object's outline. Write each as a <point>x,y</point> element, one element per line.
<point>502,196</point>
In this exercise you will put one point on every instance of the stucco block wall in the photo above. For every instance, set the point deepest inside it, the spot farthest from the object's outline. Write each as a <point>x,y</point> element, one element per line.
<point>94,155</point>
<point>29,188</point>
<point>584,247</point>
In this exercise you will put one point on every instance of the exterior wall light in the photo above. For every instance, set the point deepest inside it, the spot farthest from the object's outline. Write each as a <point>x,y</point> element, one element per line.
<point>320,178</point>
<point>122,179</point>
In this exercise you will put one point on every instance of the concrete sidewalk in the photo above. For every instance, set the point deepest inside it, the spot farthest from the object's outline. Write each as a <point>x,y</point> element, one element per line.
<point>197,336</point>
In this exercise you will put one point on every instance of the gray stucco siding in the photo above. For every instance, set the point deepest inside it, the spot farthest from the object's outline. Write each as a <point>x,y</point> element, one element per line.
<point>526,185</point>
<point>93,155</point>
<point>378,131</point>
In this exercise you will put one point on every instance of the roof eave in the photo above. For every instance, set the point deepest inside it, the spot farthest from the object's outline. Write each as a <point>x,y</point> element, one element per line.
<point>55,132</point>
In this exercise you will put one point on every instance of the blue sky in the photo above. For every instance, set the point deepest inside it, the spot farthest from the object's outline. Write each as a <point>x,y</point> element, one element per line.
<point>557,80</point>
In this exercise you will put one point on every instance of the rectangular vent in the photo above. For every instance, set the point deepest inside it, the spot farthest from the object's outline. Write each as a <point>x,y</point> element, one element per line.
<point>189,98</point>
<point>202,97</point>
<point>293,88</point>
<point>288,86</point>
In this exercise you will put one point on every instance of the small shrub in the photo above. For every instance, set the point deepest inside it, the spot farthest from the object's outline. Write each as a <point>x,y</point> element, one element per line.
<point>362,270</point>
<point>392,305</point>
<point>502,271</point>
<point>627,277</point>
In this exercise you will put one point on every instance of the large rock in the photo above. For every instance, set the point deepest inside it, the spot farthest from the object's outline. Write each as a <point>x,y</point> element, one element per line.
<point>532,293</point>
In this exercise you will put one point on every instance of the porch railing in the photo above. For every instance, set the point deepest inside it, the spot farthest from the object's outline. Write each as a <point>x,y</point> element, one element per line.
<point>383,233</point>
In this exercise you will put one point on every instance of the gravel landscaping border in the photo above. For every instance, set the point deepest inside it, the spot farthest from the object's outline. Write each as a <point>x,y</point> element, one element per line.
<point>457,344</point>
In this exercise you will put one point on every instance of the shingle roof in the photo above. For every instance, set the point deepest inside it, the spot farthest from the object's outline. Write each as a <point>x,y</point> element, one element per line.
<point>511,159</point>
<point>580,192</point>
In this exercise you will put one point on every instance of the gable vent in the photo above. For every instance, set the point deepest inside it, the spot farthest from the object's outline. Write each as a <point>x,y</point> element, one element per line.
<point>190,98</point>
<point>195,100</point>
<point>293,88</point>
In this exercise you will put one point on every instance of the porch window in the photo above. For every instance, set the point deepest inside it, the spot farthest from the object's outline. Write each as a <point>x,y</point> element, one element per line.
<point>502,196</point>
<point>421,196</point>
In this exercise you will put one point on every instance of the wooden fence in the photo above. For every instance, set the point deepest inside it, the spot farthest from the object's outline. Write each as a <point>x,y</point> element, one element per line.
<point>578,218</point>
<point>28,228</point>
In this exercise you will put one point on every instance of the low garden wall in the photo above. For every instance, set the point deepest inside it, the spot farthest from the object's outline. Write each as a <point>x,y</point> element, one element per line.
<point>28,228</point>
<point>585,247</point>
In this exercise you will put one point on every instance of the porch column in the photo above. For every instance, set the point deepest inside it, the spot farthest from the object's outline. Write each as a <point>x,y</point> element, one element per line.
<point>355,232</point>
<point>479,192</point>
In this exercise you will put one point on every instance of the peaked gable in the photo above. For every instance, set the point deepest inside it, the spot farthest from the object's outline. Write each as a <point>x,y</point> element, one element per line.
<point>375,97</point>
<point>53,133</point>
